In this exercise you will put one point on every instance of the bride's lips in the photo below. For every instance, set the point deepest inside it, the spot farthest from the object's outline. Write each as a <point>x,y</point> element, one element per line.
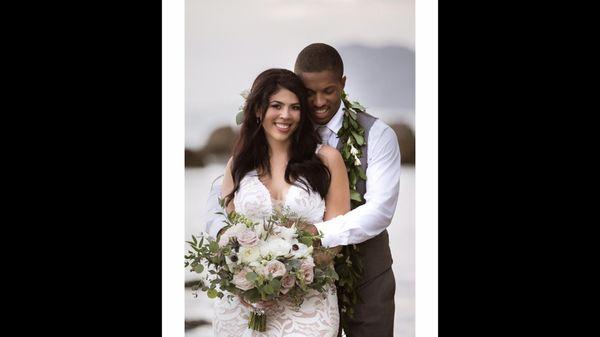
<point>283,127</point>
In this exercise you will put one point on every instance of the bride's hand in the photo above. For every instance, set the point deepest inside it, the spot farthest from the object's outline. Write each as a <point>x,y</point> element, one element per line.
<point>308,227</point>
<point>324,256</point>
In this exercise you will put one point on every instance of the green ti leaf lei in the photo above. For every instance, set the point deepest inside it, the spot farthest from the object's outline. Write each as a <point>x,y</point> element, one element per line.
<point>348,264</point>
<point>352,136</point>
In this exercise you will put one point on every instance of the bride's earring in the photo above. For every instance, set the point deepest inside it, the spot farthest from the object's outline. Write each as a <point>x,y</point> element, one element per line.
<point>257,120</point>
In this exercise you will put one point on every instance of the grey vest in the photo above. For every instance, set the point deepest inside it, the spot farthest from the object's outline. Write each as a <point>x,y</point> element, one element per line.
<point>375,253</point>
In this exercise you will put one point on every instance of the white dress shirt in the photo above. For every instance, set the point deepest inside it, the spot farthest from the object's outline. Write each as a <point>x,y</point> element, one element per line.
<point>365,221</point>
<point>215,222</point>
<point>383,181</point>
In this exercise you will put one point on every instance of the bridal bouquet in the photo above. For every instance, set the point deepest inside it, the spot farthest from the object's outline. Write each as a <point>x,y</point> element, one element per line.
<point>260,262</point>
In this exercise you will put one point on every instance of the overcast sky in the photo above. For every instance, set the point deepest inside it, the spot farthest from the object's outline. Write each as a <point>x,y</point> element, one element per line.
<point>229,42</point>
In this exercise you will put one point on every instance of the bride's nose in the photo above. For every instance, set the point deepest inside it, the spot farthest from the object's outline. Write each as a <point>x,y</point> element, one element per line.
<point>285,112</point>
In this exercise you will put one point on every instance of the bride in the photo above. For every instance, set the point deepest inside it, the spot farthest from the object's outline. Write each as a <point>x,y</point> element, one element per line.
<point>278,162</point>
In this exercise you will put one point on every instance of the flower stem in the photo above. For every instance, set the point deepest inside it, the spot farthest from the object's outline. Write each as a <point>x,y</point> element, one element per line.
<point>257,321</point>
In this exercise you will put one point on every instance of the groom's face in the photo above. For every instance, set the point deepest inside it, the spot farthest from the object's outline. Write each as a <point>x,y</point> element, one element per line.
<point>324,94</point>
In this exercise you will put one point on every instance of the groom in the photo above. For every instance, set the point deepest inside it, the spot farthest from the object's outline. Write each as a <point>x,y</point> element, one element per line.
<point>321,69</point>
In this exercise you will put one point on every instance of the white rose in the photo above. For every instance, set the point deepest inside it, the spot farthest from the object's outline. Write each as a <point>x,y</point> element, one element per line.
<point>224,240</point>
<point>249,254</point>
<point>275,247</point>
<point>238,229</point>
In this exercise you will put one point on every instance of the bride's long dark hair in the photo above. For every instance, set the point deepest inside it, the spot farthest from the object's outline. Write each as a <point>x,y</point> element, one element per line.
<point>251,150</point>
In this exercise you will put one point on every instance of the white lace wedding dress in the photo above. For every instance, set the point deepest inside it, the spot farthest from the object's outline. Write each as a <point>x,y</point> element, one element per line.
<point>318,315</point>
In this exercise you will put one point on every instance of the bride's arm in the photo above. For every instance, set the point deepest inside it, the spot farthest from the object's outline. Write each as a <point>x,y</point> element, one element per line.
<point>337,201</point>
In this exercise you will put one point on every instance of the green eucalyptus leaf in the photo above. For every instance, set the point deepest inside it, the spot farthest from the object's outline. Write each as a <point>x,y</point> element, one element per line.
<point>268,289</point>
<point>359,139</point>
<point>251,276</point>
<point>212,293</point>
<point>199,268</point>
<point>213,246</point>
<point>239,117</point>
<point>276,284</point>
<point>354,195</point>
<point>361,173</point>
<point>357,105</point>
<point>345,153</point>
<point>352,113</point>
<point>352,178</point>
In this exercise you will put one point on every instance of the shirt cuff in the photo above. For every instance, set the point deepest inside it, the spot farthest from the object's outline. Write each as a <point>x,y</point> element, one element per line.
<point>214,227</point>
<point>332,237</point>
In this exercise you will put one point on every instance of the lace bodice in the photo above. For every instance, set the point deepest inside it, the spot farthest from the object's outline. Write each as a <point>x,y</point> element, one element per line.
<point>254,201</point>
<point>318,316</point>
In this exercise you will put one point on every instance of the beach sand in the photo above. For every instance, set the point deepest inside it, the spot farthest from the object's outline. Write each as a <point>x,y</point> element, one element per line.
<point>402,243</point>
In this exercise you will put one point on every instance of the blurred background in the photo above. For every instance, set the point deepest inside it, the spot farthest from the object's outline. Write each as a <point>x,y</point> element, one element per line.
<point>229,42</point>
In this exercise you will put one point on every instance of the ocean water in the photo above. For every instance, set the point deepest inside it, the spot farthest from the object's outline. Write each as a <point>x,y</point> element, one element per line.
<point>402,244</point>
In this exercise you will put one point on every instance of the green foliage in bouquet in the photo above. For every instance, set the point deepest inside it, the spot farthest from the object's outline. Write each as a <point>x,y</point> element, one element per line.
<point>259,262</point>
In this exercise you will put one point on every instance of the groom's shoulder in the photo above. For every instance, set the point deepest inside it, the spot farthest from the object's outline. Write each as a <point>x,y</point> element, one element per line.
<point>376,123</point>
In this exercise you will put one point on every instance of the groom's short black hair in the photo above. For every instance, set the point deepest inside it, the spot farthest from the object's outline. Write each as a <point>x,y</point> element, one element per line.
<point>319,57</point>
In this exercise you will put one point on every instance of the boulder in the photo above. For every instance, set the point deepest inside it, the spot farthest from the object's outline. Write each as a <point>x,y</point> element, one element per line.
<point>406,140</point>
<point>194,158</point>
<point>220,141</point>
<point>217,149</point>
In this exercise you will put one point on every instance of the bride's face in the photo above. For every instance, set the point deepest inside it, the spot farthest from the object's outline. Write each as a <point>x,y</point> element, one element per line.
<point>282,117</point>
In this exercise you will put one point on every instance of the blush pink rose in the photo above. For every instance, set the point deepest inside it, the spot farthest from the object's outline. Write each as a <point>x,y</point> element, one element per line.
<point>287,283</point>
<point>306,268</point>
<point>248,238</point>
<point>275,268</point>
<point>240,280</point>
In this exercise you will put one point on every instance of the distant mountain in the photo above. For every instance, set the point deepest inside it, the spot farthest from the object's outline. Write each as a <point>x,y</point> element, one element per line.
<point>382,77</point>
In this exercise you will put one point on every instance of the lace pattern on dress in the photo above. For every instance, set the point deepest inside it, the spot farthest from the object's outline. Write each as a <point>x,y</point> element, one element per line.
<point>318,315</point>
